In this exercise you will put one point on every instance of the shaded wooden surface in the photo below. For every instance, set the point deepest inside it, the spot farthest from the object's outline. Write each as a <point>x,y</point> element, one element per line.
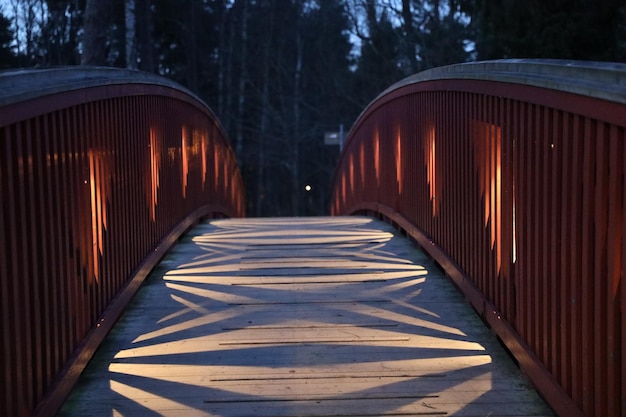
<point>300,317</point>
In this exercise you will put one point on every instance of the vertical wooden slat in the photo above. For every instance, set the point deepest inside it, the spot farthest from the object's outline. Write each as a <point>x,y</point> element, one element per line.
<point>497,180</point>
<point>102,171</point>
<point>137,227</point>
<point>4,287</point>
<point>555,152</point>
<point>458,141</point>
<point>476,219</point>
<point>55,295</point>
<point>9,319</point>
<point>115,256</point>
<point>25,267</point>
<point>536,246</point>
<point>599,270</point>
<point>88,211</point>
<point>483,166</point>
<point>541,238</point>
<point>512,162</point>
<point>488,166</point>
<point>125,161</point>
<point>42,210</point>
<point>65,236</point>
<point>138,138</point>
<point>614,200</point>
<point>622,285</point>
<point>576,273</point>
<point>31,267</point>
<point>587,290</point>
<point>68,178</point>
<point>527,256</point>
<point>77,187</point>
<point>563,211</point>
<point>60,169</point>
<point>521,220</point>
<point>441,162</point>
<point>507,166</point>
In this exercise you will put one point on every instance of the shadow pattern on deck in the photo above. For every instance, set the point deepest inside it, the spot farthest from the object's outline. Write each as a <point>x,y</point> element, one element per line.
<point>300,317</point>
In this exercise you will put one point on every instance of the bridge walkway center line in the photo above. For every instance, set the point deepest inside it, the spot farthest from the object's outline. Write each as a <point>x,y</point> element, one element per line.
<point>329,316</point>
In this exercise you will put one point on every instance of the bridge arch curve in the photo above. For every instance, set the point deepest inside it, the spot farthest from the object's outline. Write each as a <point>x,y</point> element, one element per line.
<point>511,175</point>
<point>101,171</point>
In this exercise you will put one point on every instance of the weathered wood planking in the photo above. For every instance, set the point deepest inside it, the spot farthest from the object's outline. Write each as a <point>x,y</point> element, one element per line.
<point>300,317</point>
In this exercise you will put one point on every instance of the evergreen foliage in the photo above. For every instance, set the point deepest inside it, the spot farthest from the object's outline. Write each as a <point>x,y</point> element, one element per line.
<point>559,29</point>
<point>281,73</point>
<point>7,57</point>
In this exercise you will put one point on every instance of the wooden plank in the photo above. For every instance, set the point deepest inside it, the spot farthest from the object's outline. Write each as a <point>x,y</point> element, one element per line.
<point>359,334</point>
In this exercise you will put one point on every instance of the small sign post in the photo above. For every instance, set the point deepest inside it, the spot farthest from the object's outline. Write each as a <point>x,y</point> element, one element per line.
<point>334,138</point>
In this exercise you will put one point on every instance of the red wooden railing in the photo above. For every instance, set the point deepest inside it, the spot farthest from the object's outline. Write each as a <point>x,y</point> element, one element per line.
<point>512,175</point>
<point>101,171</point>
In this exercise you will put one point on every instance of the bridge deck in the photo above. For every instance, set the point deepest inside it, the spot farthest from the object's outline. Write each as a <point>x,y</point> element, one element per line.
<point>300,317</point>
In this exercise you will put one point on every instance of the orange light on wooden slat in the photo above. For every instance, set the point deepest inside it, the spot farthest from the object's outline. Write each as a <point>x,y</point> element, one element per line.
<point>431,168</point>
<point>155,171</point>
<point>185,144</point>
<point>204,155</point>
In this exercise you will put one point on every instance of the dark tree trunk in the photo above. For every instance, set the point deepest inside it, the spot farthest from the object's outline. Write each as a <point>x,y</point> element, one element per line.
<point>95,33</point>
<point>409,36</point>
<point>145,46</point>
<point>243,79</point>
<point>265,115</point>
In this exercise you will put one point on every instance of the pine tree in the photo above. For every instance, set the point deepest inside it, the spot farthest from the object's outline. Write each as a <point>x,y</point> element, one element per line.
<point>443,35</point>
<point>7,57</point>
<point>566,29</point>
<point>379,64</point>
<point>95,30</point>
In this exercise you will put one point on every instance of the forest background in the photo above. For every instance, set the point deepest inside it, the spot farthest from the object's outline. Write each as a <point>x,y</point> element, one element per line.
<point>280,74</point>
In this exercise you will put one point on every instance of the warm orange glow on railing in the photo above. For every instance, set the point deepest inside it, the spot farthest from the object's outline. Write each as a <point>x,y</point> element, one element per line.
<point>377,156</point>
<point>521,196</point>
<point>216,167</point>
<point>196,143</point>
<point>431,168</point>
<point>398,158</point>
<point>204,156</point>
<point>100,184</point>
<point>488,155</point>
<point>185,139</point>
<point>513,228</point>
<point>91,177</point>
<point>155,171</point>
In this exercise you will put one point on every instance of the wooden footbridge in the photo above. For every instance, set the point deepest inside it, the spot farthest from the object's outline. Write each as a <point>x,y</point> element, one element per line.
<point>473,264</point>
<point>300,317</point>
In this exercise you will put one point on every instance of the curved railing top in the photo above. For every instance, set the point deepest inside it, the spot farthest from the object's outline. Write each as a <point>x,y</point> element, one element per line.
<point>26,84</point>
<point>590,80</point>
<point>603,80</point>
<point>19,87</point>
